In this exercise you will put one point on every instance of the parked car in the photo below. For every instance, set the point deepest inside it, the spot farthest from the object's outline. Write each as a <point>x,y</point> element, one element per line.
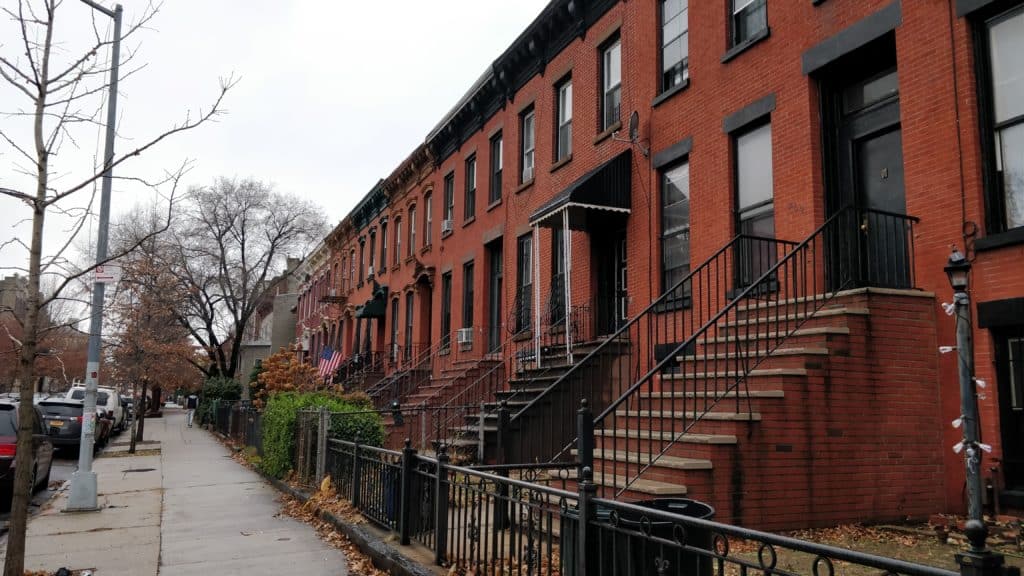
<point>62,420</point>
<point>41,458</point>
<point>107,399</point>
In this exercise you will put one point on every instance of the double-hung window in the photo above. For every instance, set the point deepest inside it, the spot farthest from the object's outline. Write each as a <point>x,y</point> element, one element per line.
<point>1005,37</point>
<point>675,51</point>
<point>497,162</point>
<point>755,208</point>
<point>563,129</point>
<point>675,227</point>
<point>383,246</point>
<point>527,143</point>
<point>611,83</point>
<point>412,231</point>
<point>467,294</point>
<point>749,19</point>
<point>446,309</point>
<point>449,201</point>
<point>398,241</point>
<point>469,204</point>
<point>408,324</point>
<point>428,219</point>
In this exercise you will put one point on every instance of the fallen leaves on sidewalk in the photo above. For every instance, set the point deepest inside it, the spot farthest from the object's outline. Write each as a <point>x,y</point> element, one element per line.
<point>326,499</point>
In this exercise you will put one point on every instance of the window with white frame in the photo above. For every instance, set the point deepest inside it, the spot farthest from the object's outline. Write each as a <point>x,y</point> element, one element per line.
<point>528,143</point>
<point>563,128</point>
<point>675,51</point>
<point>611,83</point>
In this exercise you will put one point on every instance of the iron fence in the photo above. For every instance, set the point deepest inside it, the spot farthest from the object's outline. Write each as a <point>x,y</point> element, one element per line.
<point>536,519</point>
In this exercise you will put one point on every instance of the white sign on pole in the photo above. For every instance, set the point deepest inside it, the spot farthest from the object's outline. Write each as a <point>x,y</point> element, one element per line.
<point>107,274</point>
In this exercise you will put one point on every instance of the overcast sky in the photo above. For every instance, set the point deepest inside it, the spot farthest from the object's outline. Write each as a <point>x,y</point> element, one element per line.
<point>332,94</point>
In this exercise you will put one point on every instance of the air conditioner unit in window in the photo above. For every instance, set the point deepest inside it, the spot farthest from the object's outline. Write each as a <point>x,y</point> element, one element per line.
<point>333,292</point>
<point>446,226</point>
<point>528,174</point>
<point>369,271</point>
<point>464,336</point>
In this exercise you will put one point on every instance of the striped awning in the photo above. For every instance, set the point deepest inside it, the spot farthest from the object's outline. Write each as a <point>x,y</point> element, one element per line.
<point>606,188</point>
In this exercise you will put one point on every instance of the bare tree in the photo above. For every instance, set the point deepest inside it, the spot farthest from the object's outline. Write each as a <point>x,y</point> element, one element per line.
<point>61,93</point>
<point>227,247</point>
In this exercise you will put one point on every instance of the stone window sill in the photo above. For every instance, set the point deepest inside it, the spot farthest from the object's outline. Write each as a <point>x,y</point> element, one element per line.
<point>561,163</point>
<point>670,93</point>
<point>1011,237</point>
<point>608,133</point>
<point>747,45</point>
<point>525,185</point>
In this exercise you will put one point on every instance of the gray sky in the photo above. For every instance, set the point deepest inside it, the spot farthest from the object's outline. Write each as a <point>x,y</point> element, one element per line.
<point>332,94</point>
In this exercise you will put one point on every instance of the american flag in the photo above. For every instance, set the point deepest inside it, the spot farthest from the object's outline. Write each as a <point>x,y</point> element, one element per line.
<point>329,361</point>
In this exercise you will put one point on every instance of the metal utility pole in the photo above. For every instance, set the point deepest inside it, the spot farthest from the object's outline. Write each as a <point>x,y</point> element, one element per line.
<point>83,481</point>
<point>968,403</point>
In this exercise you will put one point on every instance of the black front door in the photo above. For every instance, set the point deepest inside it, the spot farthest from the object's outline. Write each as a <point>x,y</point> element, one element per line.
<point>869,159</point>
<point>1010,373</point>
<point>612,298</point>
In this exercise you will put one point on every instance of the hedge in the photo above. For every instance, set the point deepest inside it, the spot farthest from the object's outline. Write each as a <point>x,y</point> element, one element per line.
<point>280,415</point>
<point>220,390</point>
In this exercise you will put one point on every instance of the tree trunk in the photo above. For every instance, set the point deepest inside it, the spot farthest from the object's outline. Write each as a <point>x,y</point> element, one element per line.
<point>14,564</point>
<point>141,412</point>
<point>135,421</point>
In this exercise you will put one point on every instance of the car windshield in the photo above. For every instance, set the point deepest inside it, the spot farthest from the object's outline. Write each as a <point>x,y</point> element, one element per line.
<point>79,394</point>
<point>7,425</point>
<point>60,409</point>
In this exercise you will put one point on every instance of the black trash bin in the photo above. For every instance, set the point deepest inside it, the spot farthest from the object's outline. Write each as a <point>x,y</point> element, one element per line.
<point>635,555</point>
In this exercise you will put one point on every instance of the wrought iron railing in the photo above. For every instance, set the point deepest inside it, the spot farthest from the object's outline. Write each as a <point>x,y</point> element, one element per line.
<point>518,520</point>
<point>722,344</point>
<point>542,426</point>
<point>400,383</point>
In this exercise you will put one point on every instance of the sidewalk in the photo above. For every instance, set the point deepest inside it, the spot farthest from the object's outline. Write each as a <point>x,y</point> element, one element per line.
<point>190,510</point>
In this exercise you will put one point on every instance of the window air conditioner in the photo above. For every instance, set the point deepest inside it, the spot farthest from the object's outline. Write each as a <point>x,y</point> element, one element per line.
<point>527,173</point>
<point>369,271</point>
<point>333,292</point>
<point>446,226</point>
<point>464,336</point>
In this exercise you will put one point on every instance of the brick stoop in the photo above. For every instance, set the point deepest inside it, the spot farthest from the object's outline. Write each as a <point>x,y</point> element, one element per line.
<point>839,426</point>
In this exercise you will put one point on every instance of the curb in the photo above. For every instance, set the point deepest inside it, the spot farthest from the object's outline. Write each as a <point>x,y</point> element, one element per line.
<point>383,556</point>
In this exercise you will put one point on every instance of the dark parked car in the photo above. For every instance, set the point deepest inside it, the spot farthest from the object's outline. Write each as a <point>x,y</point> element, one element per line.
<point>62,419</point>
<point>41,459</point>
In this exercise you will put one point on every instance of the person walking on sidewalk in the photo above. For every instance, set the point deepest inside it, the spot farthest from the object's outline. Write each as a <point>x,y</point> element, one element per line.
<point>191,403</point>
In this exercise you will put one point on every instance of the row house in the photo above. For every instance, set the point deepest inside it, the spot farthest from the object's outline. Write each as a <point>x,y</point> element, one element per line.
<point>724,226</point>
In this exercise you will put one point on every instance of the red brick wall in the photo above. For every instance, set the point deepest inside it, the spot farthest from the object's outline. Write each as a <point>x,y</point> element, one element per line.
<point>941,157</point>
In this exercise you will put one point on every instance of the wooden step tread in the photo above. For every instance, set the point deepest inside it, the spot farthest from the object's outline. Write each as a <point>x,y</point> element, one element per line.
<point>687,438</point>
<point>808,351</point>
<point>717,416</point>
<point>738,374</point>
<point>665,461</point>
<point>815,331</point>
<point>752,394</point>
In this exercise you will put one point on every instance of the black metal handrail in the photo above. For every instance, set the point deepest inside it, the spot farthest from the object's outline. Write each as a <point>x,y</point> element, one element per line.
<point>399,384</point>
<point>543,427</point>
<point>788,292</point>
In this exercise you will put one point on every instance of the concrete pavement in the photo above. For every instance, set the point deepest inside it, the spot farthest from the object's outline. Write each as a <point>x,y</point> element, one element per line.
<point>189,510</point>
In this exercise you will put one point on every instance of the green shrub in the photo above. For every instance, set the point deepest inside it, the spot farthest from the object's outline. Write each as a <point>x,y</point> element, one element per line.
<point>215,391</point>
<point>280,415</point>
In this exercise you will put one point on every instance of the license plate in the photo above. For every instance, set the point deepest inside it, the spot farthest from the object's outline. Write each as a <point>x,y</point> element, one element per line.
<point>56,423</point>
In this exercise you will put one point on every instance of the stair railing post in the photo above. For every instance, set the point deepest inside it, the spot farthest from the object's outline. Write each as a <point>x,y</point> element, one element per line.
<point>585,433</point>
<point>587,490</point>
<point>356,477</point>
<point>501,501</point>
<point>405,496</point>
<point>321,443</point>
<point>441,511</point>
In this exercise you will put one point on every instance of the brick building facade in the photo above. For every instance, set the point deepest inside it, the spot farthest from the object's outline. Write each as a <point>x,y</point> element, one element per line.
<point>880,131</point>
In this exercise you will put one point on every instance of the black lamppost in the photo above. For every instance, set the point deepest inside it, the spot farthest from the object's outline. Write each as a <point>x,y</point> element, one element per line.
<point>978,560</point>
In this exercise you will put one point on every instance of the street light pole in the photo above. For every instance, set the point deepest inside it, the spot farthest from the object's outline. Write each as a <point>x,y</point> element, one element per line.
<point>83,481</point>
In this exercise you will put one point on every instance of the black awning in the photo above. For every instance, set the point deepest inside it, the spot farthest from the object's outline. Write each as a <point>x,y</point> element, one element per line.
<point>376,306</point>
<point>606,187</point>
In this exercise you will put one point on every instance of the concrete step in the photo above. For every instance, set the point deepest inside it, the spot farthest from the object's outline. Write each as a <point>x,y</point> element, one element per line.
<point>781,352</point>
<point>761,372</point>
<point>710,439</point>
<point>666,461</point>
<point>642,486</point>
<point>716,416</point>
